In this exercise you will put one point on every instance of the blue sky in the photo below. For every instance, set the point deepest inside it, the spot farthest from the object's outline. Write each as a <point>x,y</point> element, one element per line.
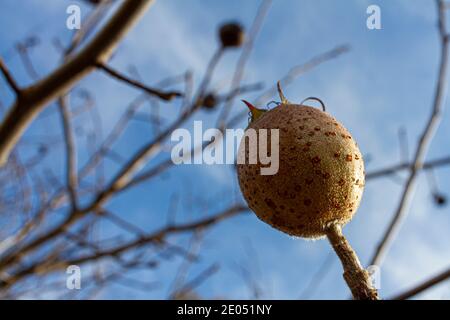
<point>385,82</point>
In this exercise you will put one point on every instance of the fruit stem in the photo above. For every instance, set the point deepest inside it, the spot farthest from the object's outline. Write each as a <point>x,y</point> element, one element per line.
<point>355,275</point>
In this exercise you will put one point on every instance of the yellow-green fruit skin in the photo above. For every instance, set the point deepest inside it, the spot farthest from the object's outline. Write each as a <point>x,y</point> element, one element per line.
<point>320,178</point>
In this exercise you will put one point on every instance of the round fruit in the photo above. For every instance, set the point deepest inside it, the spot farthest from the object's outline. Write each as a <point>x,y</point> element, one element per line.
<point>320,180</point>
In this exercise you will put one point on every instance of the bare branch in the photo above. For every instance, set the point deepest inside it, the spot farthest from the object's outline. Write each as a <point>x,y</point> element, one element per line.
<point>439,278</point>
<point>403,166</point>
<point>121,222</point>
<point>167,96</point>
<point>71,156</point>
<point>36,97</point>
<point>23,49</point>
<point>122,178</point>
<point>299,70</point>
<point>155,237</point>
<point>183,271</point>
<point>422,146</point>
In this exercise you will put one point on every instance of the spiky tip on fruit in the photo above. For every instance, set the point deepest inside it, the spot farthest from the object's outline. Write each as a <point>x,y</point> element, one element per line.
<point>255,112</point>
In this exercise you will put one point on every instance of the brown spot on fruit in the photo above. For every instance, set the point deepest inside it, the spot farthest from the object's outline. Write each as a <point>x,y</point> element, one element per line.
<point>270,203</point>
<point>348,157</point>
<point>316,160</point>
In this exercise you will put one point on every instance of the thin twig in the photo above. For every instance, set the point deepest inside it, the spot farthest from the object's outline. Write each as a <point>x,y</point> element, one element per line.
<point>23,49</point>
<point>9,78</point>
<point>439,278</point>
<point>124,224</point>
<point>183,271</point>
<point>167,96</point>
<point>71,155</point>
<point>194,283</point>
<point>403,166</point>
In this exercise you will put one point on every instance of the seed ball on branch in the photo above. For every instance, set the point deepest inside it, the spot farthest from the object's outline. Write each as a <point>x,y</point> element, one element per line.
<point>320,179</point>
<point>209,101</point>
<point>231,35</point>
<point>439,199</point>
